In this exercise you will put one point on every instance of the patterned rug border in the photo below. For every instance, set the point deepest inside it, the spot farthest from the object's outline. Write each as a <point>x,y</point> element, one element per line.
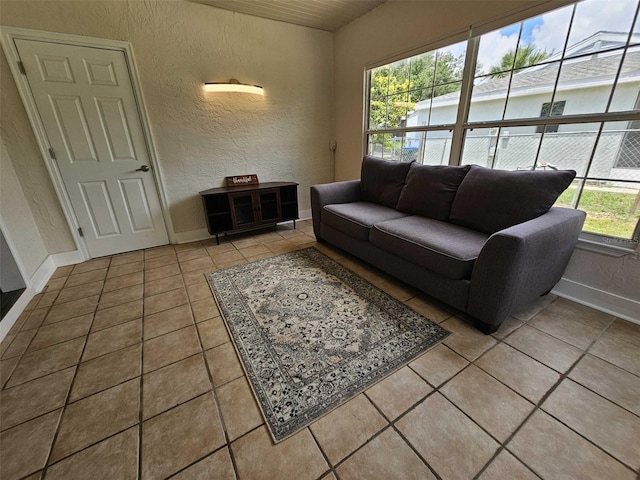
<point>347,276</point>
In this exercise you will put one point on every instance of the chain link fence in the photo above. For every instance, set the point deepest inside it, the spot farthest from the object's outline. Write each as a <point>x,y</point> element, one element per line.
<point>617,156</point>
<point>610,194</point>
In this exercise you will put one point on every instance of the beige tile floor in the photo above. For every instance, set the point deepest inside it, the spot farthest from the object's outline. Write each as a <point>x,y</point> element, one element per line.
<point>122,368</point>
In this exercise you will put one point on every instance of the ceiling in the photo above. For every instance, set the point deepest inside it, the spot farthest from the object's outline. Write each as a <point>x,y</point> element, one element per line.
<point>327,15</point>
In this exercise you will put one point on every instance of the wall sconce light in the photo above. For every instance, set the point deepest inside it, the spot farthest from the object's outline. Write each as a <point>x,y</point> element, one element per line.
<point>233,85</point>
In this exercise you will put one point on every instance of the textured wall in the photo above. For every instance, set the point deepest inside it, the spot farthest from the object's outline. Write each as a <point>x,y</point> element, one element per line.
<point>16,215</point>
<point>32,174</point>
<point>620,276</point>
<point>201,138</point>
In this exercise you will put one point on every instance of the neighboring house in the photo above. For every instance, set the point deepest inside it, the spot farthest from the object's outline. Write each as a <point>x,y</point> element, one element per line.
<point>584,86</point>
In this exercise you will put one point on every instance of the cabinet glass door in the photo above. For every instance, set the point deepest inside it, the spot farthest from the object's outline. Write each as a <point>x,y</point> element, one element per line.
<point>270,206</point>
<point>242,208</point>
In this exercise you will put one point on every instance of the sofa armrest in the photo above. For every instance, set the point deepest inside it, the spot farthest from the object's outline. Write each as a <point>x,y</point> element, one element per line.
<point>522,262</point>
<point>331,193</point>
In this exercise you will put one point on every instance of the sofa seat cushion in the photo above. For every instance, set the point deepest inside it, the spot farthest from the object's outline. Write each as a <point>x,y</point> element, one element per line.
<point>443,248</point>
<point>356,219</point>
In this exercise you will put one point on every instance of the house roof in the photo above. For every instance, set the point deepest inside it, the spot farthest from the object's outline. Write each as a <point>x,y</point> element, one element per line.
<point>578,72</point>
<point>596,66</point>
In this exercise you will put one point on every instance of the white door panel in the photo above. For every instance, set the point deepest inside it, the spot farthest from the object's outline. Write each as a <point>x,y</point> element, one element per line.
<point>70,118</point>
<point>100,73</point>
<point>100,207</point>
<point>116,129</point>
<point>136,201</point>
<point>87,107</point>
<point>54,69</point>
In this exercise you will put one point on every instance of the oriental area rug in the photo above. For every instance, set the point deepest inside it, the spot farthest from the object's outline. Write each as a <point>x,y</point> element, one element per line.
<point>312,334</point>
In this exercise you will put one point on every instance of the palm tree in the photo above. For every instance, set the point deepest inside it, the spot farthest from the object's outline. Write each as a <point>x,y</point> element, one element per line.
<point>525,56</point>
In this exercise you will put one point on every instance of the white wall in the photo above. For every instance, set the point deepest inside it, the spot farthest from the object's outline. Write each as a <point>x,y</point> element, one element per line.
<point>620,276</point>
<point>16,216</point>
<point>10,276</point>
<point>30,169</point>
<point>200,138</point>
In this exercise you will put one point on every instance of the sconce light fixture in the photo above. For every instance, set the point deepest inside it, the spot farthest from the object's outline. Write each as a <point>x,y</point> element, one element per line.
<point>233,85</point>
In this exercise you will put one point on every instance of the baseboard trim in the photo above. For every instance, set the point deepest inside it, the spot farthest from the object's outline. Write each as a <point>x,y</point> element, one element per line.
<point>40,278</point>
<point>621,307</point>
<point>203,233</point>
<point>192,236</point>
<point>67,258</point>
<point>305,214</point>
<point>16,310</point>
<point>37,282</point>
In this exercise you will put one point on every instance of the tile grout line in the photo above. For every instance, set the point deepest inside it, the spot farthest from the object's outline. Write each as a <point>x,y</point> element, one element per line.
<point>57,343</point>
<point>538,407</point>
<point>392,424</point>
<point>64,409</point>
<point>332,468</point>
<point>198,460</point>
<point>566,377</point>
<point>3,386</point>
<point>227,441</point>
<point>503,445</point>
<point>66,403</point>
<point>437,389</point>
<point>141,392</point>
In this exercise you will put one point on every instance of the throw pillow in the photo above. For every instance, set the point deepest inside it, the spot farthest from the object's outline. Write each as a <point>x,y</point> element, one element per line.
<point>491,200</point>
<point>381,181</point>
<point>430,189</point>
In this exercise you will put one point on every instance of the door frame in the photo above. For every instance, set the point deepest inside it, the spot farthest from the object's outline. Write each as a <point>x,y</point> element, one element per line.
<point>7,35</point>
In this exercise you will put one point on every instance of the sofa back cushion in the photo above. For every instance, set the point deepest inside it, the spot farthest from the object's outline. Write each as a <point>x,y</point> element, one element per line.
<point>430,189</point>
<point>491,200</point>
<point>381,181</point>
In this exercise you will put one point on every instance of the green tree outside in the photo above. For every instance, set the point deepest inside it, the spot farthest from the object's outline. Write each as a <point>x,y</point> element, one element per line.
<point>524,57</point>
<point>396,88</point>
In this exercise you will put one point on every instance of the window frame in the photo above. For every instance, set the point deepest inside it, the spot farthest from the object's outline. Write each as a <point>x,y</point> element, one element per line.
<point>610,245</point>
<point>551,128</point>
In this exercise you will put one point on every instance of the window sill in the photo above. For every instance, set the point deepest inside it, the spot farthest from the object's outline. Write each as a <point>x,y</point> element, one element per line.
<point>612,247</point>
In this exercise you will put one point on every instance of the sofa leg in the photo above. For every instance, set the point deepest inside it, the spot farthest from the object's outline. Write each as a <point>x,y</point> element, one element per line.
<point>320,239</point>
<point>486,328</point>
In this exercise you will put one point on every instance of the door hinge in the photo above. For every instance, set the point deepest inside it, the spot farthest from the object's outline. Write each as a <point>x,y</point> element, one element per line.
<point>52,154</point>
<point>23,71</point>
<point>80,232</point>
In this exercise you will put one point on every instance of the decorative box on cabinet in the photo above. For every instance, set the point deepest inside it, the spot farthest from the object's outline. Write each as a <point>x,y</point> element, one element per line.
<point>235,209</point>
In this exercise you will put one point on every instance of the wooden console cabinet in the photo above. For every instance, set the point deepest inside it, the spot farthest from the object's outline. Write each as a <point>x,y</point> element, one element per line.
<point>235,209</point>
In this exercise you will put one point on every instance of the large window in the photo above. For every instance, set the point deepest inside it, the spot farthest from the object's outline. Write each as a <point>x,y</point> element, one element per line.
<point>558,91</point>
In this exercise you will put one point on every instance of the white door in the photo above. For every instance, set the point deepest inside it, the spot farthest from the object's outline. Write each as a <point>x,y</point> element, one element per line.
<point>87,107</point>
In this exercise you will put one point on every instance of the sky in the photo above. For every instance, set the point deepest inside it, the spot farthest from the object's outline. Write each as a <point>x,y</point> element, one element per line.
<point>549,31</point>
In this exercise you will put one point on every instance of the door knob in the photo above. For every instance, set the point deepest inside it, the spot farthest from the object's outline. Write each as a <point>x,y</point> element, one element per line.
<point>143,168</point>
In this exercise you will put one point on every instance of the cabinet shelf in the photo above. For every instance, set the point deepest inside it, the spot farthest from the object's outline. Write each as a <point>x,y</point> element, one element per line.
<point>234,209</point>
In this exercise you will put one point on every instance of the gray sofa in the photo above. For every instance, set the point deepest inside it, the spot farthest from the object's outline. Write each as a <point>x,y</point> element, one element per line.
<point>486,242</point>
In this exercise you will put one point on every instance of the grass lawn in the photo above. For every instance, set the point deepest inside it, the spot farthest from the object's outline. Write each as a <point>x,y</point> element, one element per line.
<point>608,212</point>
